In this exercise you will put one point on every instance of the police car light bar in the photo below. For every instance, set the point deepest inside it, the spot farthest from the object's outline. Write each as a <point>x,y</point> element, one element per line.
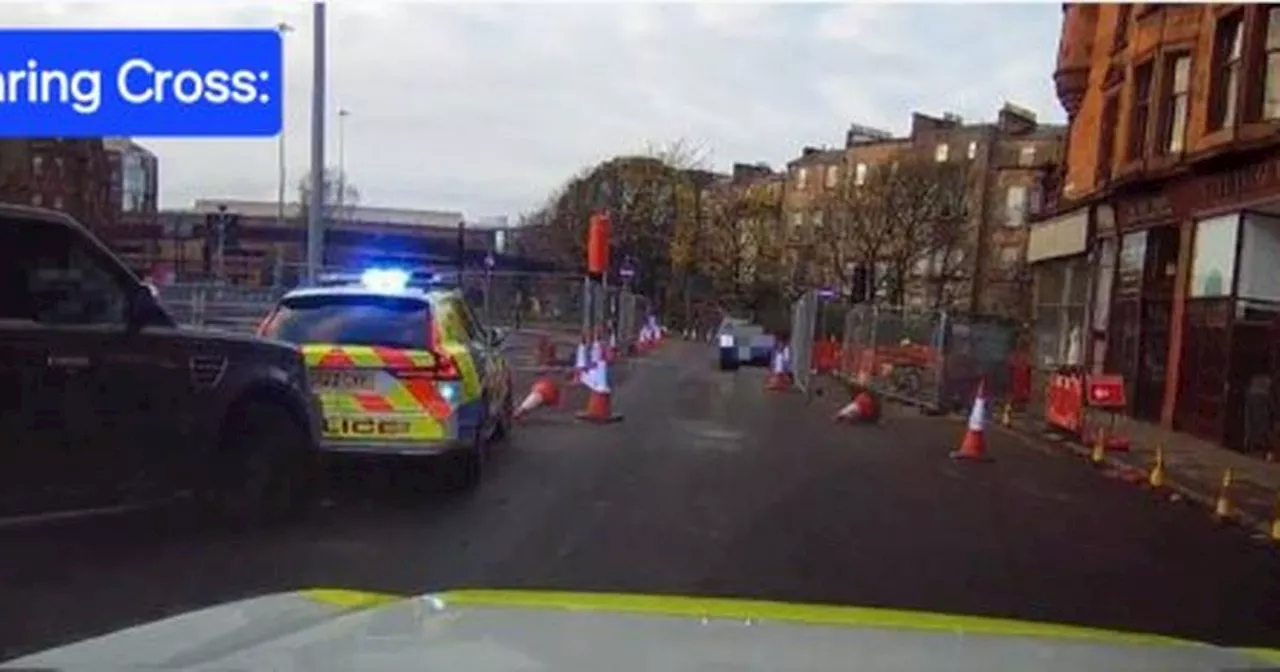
<point>385,279</point>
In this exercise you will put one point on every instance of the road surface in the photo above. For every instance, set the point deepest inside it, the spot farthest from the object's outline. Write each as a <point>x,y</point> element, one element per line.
<point>710,486</point>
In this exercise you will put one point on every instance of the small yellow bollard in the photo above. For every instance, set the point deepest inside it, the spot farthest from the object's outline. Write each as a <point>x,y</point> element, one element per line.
<point>1006,416</point>
<point>1099,447</point>
<point>1222,507</point>
<point>1156,479</point>
<point>1275,522</point>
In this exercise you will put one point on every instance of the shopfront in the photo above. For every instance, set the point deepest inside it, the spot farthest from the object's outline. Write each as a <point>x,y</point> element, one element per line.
<point>1057,250</point>
<point>1140,256</point>
<point>1230,341</point>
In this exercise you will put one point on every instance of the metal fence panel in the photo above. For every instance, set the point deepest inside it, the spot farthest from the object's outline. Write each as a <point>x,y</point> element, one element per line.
<point>218,307</point>
<point>934,359</point>
<point>804,313</point>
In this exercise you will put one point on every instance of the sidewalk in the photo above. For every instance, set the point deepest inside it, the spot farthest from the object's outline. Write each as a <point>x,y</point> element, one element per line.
<point>1193,467</point>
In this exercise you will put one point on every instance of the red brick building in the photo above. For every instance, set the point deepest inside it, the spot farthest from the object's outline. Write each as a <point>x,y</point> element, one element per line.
<point>1160,261</point>
<point>60,173</point>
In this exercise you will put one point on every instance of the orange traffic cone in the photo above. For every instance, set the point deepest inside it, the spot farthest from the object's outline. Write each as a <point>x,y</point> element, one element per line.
<point>600,403</point>
<point>863,407</point>
<point>974,445</point>
<point>544,392</point>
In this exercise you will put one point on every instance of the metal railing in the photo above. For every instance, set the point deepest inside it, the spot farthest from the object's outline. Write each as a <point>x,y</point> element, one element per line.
<point>933,359</point>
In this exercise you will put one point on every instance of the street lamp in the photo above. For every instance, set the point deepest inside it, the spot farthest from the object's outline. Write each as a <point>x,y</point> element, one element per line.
<point>489,263</point>
<point>315,216</point>
<point>343,113</point>
<point>284,29</point>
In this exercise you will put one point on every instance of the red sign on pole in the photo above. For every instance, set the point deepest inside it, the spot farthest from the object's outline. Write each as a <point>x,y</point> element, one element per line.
<point>598,244</point>
<point>1106,391</point>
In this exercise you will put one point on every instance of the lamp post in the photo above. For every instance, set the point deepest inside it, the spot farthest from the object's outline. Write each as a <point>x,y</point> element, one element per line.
<point>489,263</point>
<point>343,113</point>
<point>315,207</point>
<point>283,176</point>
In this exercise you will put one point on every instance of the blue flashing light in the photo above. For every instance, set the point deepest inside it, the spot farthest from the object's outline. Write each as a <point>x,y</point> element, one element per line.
<point>385,279</point>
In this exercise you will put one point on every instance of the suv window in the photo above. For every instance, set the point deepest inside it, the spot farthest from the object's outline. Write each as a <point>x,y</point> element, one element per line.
<point>52,275</point>
<point>352,320</point>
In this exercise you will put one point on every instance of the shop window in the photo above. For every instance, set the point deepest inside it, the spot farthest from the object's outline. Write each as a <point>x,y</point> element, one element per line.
<point>1213,264</point>
<point>1061,289</point>
<point>1133,256</point>
<point>1259,258</point>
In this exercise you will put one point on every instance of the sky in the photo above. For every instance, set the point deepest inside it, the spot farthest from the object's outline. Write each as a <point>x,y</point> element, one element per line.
<point>486,109</point>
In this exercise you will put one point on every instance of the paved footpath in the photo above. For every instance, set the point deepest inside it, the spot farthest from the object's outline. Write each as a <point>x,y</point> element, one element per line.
<point>710,486</point>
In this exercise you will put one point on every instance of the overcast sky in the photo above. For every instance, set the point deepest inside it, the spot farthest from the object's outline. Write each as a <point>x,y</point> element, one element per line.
<point>487,108</point>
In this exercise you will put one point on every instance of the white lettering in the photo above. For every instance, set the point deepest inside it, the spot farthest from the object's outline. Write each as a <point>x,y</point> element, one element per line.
<point>122,81</point>
<point>188,87</point>
<point>139,82</point>
<point>81,89</point>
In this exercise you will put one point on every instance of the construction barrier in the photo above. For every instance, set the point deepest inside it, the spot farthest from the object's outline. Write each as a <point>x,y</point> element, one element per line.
<point>933,359</point>
<point>804,313</point>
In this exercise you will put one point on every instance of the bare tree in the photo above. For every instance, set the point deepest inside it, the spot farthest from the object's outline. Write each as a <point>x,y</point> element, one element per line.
<point>334,182</point>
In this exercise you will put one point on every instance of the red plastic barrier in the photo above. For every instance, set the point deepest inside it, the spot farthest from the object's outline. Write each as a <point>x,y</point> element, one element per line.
<point>1064,401</point>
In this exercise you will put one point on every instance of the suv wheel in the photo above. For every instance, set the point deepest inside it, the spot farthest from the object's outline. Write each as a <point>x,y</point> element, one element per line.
<point>266,471</point>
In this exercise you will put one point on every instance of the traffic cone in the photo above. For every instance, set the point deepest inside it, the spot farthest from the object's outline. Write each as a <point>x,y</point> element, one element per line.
<point>600,403</point>
<point>580,364</point>
<point>974,445</point>
<point>1222,507</point>
<point>1275,523</point>
<point>544,392</point>
<point>779,380</point>
<point>1156,479</point>
<point>1099,454</point>
<point>863,407</point>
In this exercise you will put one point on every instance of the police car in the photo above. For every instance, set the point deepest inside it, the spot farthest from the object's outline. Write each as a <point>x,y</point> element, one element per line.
<point>402,367</point>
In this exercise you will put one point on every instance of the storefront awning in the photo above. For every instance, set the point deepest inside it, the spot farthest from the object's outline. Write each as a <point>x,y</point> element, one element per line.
<point>1062,236</point>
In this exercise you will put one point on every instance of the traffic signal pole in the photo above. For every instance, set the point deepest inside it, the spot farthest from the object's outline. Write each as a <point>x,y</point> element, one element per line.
<point>315,206</point>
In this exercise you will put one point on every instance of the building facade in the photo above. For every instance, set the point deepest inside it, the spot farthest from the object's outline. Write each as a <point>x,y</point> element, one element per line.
<point>135,177</point>
<point>997,174</point>
<point>59,173</point>
<point>1167,230</point>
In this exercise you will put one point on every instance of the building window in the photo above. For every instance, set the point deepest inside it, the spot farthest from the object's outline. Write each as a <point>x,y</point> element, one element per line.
<point>816,219</point>
<point>1060,311</point>
<point>37,164</point>
<point>833,176</point>
<point>1010,255</point>
<point>802,178</point>
<point>1015,206</point>
<point>860,174</point>
<point>1177,103</point>
<point>1027,155</point>
<point>1107,137</point>
<point>57,202</point>
<point>59,166</point>
<point>940,153</point>
<point>797,220</point>
<point>1142,76</point>
<point>972,152</point>
<point>1228,43</point>
<point>1213,265</point>
<point>1271,81</point>
<point>37,199</point>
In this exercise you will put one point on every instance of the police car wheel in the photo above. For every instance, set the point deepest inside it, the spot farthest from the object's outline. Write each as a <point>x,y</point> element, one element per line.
<point>263,475</point>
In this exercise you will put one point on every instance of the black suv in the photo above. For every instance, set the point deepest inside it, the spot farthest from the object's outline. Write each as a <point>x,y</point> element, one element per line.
<point>105,403</point>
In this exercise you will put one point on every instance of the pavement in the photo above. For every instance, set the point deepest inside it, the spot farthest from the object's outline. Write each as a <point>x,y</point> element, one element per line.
<point>709,486</point>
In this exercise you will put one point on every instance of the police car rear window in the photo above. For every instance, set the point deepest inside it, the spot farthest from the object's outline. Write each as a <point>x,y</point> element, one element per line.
<point>352,320</point>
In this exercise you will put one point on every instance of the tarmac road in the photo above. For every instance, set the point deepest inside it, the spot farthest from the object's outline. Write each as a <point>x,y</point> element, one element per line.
<point>709,486</point>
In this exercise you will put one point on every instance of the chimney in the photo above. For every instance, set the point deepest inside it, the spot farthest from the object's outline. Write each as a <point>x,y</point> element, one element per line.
<point>810,151</point>
<point>1015,119</point>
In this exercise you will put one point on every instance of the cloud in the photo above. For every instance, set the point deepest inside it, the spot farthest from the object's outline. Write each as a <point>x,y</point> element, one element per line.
<point>487,108</point>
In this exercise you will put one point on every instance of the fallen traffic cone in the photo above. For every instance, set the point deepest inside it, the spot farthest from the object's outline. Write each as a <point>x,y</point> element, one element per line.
<point>600,403</point>
<point>863,408</point>
<point>1156,479</point>
<point>544,392</point>
<point>1222,507</point>
<point>974,445</point>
